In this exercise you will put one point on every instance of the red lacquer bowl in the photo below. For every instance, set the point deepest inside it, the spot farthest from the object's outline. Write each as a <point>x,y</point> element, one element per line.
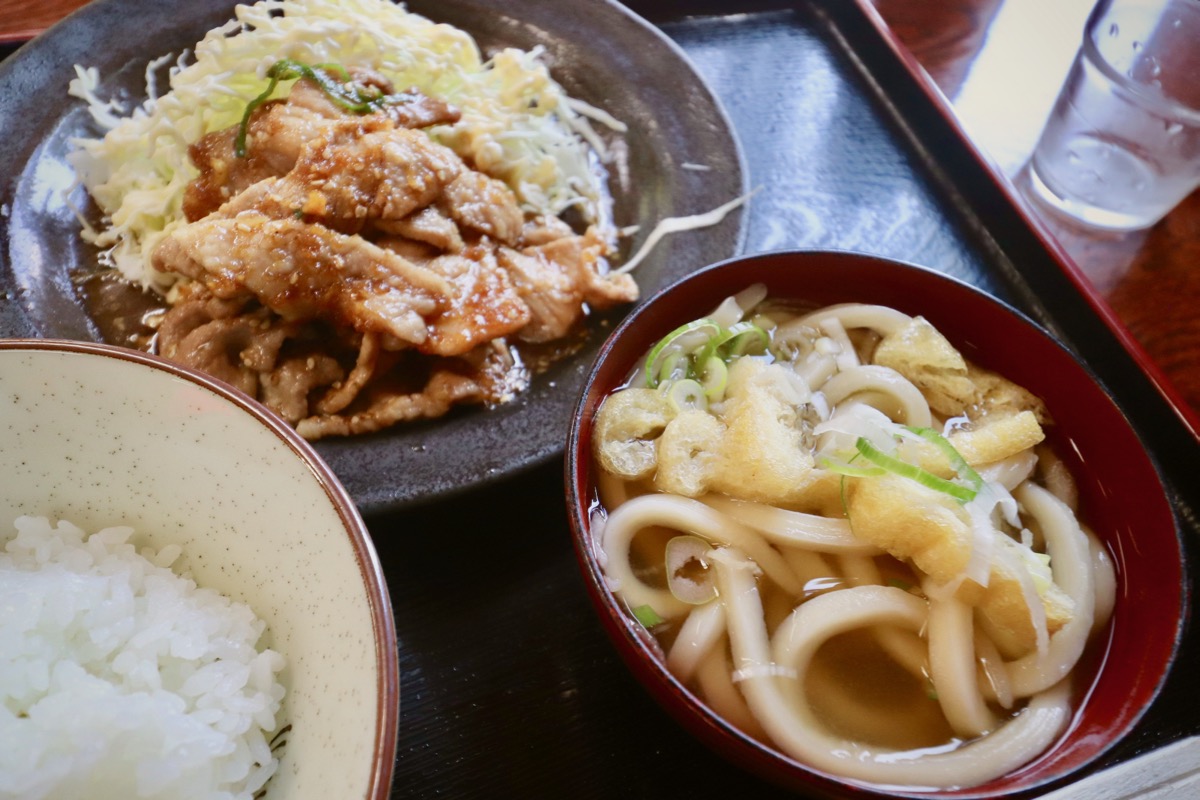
<point>1121,497</point>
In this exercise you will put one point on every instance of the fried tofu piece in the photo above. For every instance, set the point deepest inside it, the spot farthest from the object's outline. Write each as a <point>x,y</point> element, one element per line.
<point>932,531</point>
<point>1004,617</point>
<point>688,453</point>
<point>912,523</point>
<point>997,436</point>
<point>920,353</point>
<point>627,426</point>
<point>989,439</point>
<point>952,385</point>
<point>756,446</point>
<point>766,452</point>
<point>998,395</point>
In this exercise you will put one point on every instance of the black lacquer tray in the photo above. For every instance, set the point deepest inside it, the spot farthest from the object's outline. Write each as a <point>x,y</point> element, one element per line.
<point>509,686</point>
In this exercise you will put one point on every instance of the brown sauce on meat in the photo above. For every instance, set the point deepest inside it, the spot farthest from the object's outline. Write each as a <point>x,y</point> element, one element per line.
<point>121,311</point>
<point>353,274</point>
<point>124,314</point>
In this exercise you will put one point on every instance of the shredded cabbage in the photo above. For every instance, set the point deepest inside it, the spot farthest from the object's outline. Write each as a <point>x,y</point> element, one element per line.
<point>678,225</point>
<point>517,123</point>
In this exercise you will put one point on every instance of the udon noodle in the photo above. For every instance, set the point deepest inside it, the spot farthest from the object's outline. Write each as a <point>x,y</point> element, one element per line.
<point>851,542</point>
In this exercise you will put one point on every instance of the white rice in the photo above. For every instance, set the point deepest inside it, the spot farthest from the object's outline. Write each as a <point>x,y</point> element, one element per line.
<point>122,679</point>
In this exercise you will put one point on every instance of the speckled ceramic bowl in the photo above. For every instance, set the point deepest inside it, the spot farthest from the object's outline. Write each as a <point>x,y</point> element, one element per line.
<point>1121,497</point>
<point>104,436</point>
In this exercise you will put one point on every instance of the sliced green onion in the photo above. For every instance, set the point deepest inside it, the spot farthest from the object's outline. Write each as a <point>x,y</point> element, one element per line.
<point>675,365</point>
<point>736,340</point>
<point>712,347</point>
<point>686,394</point>
<point>714,377</point>
<point>764,322</point>
<point>700,344</point>
<point>747,338</point>
<point>715,346</point>
<point>675,340</point>
<point>688,575</point>
<point>904,469</point>
<point>957,462</point>
<point>845,502</point>
<point>647,616</point>
<point>848,469</point>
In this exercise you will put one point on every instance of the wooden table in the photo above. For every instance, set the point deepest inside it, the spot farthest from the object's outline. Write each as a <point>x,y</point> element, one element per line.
<point>999,63</point>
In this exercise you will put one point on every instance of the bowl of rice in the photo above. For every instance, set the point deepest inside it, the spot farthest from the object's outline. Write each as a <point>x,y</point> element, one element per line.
<point>193,607</point>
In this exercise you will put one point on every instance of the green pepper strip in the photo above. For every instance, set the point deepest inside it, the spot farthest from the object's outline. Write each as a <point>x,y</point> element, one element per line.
<point>353,98</point>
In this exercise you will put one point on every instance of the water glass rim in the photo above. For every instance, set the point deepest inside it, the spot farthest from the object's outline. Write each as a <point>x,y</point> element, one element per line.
<point>1142,92</point>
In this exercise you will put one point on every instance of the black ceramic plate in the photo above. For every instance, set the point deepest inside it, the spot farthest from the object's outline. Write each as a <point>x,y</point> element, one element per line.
<point>598,50</point>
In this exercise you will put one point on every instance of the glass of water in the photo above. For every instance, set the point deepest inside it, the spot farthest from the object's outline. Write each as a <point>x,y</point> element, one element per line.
<point>1122,146</point>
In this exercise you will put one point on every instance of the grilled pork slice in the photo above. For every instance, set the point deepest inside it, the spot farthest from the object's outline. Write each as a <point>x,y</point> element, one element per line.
<point>487,374</point>
<point>278,131</point>
<point>557,278</point>
<point>484,304</point>
<point>352,273</point>
<point>427,226</point>
<point>353,175</point>
<point>307,272</point>
<point>485,205</point>
<point>228,339</point>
